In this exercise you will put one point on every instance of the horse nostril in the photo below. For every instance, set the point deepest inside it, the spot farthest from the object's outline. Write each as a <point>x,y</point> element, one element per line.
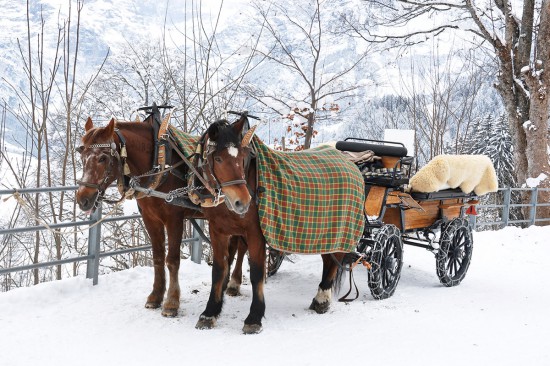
<point>238,204</point>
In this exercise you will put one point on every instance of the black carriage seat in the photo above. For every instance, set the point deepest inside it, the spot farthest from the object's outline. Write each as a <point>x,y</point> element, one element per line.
<point>392,170</point>
<point>442,195</point>
<point>399,151</point>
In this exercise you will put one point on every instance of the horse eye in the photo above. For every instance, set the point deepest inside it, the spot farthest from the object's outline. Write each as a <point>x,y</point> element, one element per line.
<point>217,159</point>
<point>102,158</point>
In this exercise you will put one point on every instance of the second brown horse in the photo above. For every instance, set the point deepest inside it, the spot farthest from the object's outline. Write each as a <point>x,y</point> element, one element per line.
<point>226,164</point>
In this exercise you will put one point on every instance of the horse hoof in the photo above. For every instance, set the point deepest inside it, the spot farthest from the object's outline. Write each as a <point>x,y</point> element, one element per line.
<point>152,305</point>
<point>233,291</point>
<point>169,313</point>
<point>252,328</point>
<point>320,308</point>
<point>206,322</point>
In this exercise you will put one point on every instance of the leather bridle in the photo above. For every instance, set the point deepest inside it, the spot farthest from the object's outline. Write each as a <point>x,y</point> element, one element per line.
<point>207,164</point>
<point>114,158</point>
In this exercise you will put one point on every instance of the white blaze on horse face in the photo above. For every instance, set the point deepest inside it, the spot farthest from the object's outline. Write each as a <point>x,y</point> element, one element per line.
<point>323,296</point>
<point>87,176</point>
<point>233,151</point>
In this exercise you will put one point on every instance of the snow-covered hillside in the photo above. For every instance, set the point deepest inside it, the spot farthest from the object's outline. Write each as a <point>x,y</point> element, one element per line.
<point>497,316</point>
<point>119,26</point>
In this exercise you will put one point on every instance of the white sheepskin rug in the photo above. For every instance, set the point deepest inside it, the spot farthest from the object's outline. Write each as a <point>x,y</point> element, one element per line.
<point>469,172</point>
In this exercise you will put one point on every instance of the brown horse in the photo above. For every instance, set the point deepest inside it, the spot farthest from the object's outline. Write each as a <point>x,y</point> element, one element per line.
<point>102,164</point>
<point>226,161</point>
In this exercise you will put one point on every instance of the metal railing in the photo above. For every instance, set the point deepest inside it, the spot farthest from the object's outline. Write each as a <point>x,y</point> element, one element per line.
<point>507,205</point>
<point>94,253</point>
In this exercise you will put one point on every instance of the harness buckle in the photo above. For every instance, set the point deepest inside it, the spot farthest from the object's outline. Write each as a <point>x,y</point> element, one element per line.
<point>219,195</point>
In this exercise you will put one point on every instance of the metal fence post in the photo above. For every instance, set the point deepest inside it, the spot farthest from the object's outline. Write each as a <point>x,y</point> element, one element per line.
<point>506,208</point>
<point>94,236</point>
<point>472,221</point>
<point>534,198</point>
<point>196,246</point>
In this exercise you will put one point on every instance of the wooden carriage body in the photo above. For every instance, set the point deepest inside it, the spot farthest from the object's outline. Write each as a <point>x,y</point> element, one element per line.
<point>416,211</point>
<point>386,200</point>
<point>393,217</point>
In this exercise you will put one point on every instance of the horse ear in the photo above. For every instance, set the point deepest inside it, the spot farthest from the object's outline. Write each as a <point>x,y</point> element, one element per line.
<point>239,124</point>
<point>110,129</point>
<point>247,138</point>
<point>213,131</point>
<point>89,124</point>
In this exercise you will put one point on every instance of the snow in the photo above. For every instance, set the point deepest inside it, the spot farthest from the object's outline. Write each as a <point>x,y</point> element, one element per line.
<point>406,137</point>
<point>497,316</point>
<point>528,125</point>
<point>534,182</point>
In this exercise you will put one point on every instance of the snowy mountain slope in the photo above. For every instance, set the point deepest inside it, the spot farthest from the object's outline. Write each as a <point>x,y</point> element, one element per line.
<point>497,316</point>
<point>114,25</point>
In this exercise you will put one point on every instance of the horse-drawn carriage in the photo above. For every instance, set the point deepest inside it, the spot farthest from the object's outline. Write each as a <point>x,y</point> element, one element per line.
<point>313,202</point>
<point>434,221</point>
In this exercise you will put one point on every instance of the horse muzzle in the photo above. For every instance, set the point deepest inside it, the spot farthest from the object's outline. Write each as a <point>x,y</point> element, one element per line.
<point>238,203</point>
<point>87,202</point>
<point>237,206</point>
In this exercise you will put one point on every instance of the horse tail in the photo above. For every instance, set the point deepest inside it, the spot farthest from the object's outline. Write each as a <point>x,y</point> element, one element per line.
<point>337,283</point>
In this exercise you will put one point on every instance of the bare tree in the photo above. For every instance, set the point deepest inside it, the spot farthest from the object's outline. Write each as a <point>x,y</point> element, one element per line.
<point>521,47</point>
<point>200,76</point>
<point>206,72</point>
<point>46,108</point>
<point>301,45</point>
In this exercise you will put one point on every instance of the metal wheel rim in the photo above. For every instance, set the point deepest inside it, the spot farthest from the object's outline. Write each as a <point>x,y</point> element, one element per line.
<point>390,262</point>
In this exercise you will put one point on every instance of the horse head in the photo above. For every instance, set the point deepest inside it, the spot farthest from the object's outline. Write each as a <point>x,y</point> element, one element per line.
<point>101,164</point>
<point>224,156</point>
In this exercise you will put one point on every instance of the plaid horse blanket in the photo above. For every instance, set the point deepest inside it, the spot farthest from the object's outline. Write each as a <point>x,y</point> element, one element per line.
<point>186,142</point>
<point>310,202</point>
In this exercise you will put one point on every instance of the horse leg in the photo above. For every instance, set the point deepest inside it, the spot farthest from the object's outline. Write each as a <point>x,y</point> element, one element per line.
<point>321,301</point>
<point>256,248</point>
<point>220,270</point>
<point>174,228</point>
<point>155,229</point>
<point>236,244</point>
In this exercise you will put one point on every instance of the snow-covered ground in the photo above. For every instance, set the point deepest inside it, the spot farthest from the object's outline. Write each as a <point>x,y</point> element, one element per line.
<point>497,316</point>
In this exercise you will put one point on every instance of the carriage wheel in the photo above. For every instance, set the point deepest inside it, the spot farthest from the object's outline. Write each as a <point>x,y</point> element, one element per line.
<point>455,252</point>
<point>386,262</point>
<point>274,259</point>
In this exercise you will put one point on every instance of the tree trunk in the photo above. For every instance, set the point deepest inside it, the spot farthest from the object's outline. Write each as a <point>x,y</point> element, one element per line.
<point>309,132</point>
<point>536,129</point>
<point>527,108</point>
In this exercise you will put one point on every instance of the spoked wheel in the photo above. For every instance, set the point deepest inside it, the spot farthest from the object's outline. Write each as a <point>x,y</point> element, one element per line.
<point>386,262</point>
<point>274,260</point>
<point>455,252</point>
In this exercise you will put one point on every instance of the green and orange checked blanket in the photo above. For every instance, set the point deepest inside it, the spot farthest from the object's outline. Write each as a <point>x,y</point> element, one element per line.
<point>186,142</point>
<point>311,201</point>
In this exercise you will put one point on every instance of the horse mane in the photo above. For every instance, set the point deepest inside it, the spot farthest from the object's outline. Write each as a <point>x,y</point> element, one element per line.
<point>223,134</point>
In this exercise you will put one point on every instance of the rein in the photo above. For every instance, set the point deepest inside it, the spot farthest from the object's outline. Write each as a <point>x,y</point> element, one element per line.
<point>349,262</point>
